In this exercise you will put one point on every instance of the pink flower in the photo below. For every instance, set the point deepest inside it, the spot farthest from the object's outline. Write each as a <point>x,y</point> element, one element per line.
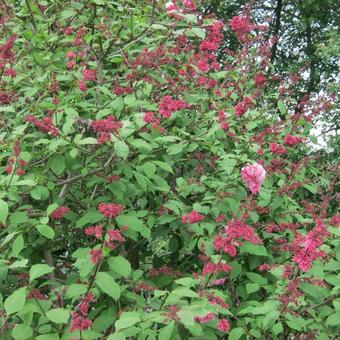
<point>205,318</point>
<point>264,267</point>
<point>241,26</point>
<point>59,213</point>
<point>79,318</point>
<point>234,232</point>
<point>292,140</point>
<point>105,127</point>
<point>277,149</point>
<point>260,80</point>
<point>96,255</point>
<point>82,85</point>
<point>149,117</point>
<point>96,231</point>
<point>193,217</point>
<point>253,176</point>
<point>213,268</point>
<point>46,125</point>
<point>224,325</point>
<point>168,105</point>
<point>110,209</point>
<point>71,55</point>
<point>89,75</point>
<point>242,107</point>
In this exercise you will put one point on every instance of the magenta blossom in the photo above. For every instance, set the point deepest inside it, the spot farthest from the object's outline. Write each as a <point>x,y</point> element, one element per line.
<point>253,176</point>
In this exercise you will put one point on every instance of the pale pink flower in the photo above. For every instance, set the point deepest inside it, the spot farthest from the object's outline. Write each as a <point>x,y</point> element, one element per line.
<point>253,176</point>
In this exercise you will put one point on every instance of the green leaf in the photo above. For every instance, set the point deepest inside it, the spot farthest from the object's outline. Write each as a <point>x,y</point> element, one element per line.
<point>282,107</point>
<point>22,332</point>
<point>108,285</point>
<point>314,291</point>
<point>257,278</point>
<point>50,336</point>
<point>121,148</point>
<point>252,288</point>
<point>141,180</point>
<point>120,265</point>
<point>166,167</point>
<point>333,320</point>
<point>127,319</point>
<point>18,245</point>
<point>51,208</point>
<point>88,140</point>
<point>89,218</point>
<point>254,249</point>
<point>58,164</point>
<point>133,223</point>
<point>116,336</point>
<point>46,231</point>
<point>3,211</point>
<point>165,333</point>
<point>15,301</point>
<point>19,264</point>
<point>149,168</point>
<point>38,270</point>
<point>27,182</point>
<point>175,149</point>
<point>40,193</point>
<point>270,318</point>
<point>58,315</point>
<point>184,292</point>
<point>199,32</point>
<point>142,146</point>
<point>277,328</point>
<point>236,333</point>
<point>312,188</point>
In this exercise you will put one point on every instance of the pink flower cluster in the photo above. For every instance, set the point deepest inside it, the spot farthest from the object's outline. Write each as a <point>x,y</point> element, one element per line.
<point>264,267</point>
<point>79,317</point>
<point>213,268</point>
<point>165,270</point>
<point>241,26</point>
<point>277,149</point>
<point>96,255</point>
<point>253,176</point>
<point>235,232</point>
<point>110,209</point>
<point>151,117</point>
<point>215,36</point>
<point>306,248</point>
<point>114,238</point>
<point>193,217</point>
<point>45,125</point>
<point>105,127</point>
<point>243,106</point>
<point>260,80</point>
<point>205,318</point>
<point>120,91</point>
<point>292,140</point>
<point>71,56</point>
<point>96,231</point>
<point>222,117</point>
<point>60,212</point>
<point>89,75</point>
<point>224,325</point>
<point>6,50</point>
<point>168,105</point>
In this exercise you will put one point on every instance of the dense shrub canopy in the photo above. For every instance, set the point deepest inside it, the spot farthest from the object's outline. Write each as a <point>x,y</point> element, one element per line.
<point>155,185</point>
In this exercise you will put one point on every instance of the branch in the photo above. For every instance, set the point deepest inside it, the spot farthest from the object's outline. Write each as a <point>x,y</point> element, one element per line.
<point>31,14</point>
<point>278,11</point>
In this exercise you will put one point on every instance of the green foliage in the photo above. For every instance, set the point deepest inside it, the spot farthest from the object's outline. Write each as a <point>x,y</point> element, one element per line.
<point>149,267</point>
